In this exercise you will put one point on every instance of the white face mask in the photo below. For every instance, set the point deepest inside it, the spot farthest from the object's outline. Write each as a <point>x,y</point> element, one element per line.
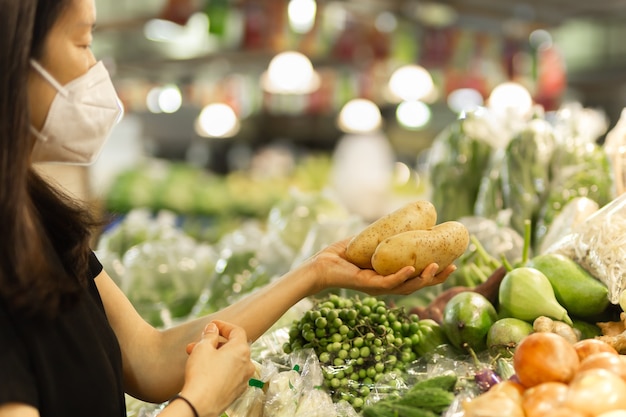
<point>80,118</point>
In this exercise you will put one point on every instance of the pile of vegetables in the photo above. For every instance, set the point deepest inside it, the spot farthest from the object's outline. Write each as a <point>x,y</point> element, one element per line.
<point>554,377</point>
<point>188,190</point>
<point>360,342</point>
<point>532,170</point>
<point>481,323</point>
<point>171,274</point>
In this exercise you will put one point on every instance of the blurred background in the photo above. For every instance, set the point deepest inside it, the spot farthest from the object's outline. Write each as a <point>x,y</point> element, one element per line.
<point>257,132</point>
<point>231,86</point>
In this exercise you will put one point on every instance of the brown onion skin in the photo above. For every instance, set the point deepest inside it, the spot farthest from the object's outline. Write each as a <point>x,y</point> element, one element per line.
<point>511,389</point>
<point>545,357</point>
<point>542,399</point>
<point>596,391</point>
<point>604,360</point>
<point>587,347</point>
<point>567,412</point>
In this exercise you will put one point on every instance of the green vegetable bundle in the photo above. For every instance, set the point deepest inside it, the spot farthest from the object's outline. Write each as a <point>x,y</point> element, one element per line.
<point>526,172</point>
<point>576,170</point>
<point>458,159</point>
<point>427,398</point>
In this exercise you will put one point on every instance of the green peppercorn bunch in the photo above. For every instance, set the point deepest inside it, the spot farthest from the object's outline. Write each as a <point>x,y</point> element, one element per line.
<point>358,341</point>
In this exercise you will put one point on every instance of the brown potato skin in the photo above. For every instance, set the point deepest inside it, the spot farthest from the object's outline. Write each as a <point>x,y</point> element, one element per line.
<point>416,215</point>
<point>441,244</point>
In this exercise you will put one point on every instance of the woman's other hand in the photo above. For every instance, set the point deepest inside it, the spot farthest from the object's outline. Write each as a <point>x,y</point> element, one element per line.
<point>333,270</point>
<point>218,368</point>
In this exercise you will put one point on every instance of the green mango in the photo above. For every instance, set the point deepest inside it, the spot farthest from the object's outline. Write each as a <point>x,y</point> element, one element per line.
<point>467,318</point>
<point>577,290</point>
<point>525,293</point>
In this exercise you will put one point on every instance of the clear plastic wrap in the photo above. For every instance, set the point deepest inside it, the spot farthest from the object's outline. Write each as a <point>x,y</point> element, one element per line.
<point>315,401</point>
<point>457,161</point>
<point>496,237</point>
<point>161,269</point>
<point>598,244</point>
<point>283,393</point>
<point>574,212</point>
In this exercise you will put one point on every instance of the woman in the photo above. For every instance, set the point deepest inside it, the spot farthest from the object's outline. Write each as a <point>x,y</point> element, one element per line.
<point>71,344</point>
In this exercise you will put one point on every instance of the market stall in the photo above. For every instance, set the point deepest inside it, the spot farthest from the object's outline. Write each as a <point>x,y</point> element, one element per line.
<point>530,322</point>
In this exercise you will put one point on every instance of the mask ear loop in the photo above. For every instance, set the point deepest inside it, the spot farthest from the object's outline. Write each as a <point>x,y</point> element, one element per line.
<point>45,74</point>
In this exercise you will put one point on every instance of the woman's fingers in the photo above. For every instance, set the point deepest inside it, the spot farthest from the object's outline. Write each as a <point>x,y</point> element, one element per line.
<point>211,333</point>
<point>230,331</point>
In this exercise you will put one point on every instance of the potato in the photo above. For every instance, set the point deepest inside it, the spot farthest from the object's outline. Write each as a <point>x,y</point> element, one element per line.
<point>412,216</point>
<point>441,244</point>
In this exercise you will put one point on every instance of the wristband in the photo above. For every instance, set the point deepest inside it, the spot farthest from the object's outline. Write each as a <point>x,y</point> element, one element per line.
<point>180,397</point>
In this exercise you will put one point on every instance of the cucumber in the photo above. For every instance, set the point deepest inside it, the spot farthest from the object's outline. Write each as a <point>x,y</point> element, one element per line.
<point>388,409</point>
<point>429,398</point>
<point>444,381</point>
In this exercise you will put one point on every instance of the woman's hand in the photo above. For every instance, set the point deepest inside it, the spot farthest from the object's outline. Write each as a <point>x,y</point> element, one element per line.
<point>218,368</point>
<point>333,270</point>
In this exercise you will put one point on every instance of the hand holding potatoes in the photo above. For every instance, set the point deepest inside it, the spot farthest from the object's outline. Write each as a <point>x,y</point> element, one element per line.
<point>333,270</point>
<point>408,237</point>
<point>417,215</point>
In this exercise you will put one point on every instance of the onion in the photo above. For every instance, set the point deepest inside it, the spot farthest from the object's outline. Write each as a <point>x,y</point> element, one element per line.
<point>492,404</point>
<point>586,347</point>
<point>614,413</point>
<point>545,357</point>
<point>605,360</point>
<point>566,412</point>
<point>596,391</point>
<point>511,389</point>
<point>542,399</point>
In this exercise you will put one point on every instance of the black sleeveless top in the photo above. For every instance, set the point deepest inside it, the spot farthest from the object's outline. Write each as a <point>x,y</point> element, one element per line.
<point>70,366</point>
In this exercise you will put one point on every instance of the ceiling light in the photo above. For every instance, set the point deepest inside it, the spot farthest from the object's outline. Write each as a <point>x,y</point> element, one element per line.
<point>302,15</point>
<point>359,116</point>
<point>217,120</point>
<point>413,115</point>
<point>411,82</point>
<point>511,97</point>
<point>464,99</point>
<point>290,72</point>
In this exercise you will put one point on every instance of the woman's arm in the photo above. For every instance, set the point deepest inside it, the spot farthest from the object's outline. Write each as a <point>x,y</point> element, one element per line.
<point>154,361</point>
<point>18,410</point>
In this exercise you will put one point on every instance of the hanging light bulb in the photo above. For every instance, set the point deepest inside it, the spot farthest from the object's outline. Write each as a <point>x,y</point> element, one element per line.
<point>290,72</point>
<point>302,15</point>
<point>510,97</point>
<point>411,83</point>
<point>359,116</point>
<point>413,115</point>
<point>217,120</point>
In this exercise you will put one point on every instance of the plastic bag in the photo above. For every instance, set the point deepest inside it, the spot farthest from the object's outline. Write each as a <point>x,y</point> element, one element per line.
<point>457,161</point>
<point>283,393</point>
<point>574,212</point>
<point>314,401</point>
<point>496,237</point>
<point>250,403</point>
<point>616,152</point>
<point>598,244</point>
<point>579,166</point>
<point>526,172</point>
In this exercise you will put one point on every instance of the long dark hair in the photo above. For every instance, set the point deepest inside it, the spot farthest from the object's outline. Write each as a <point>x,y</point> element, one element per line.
<point>44,235</point>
